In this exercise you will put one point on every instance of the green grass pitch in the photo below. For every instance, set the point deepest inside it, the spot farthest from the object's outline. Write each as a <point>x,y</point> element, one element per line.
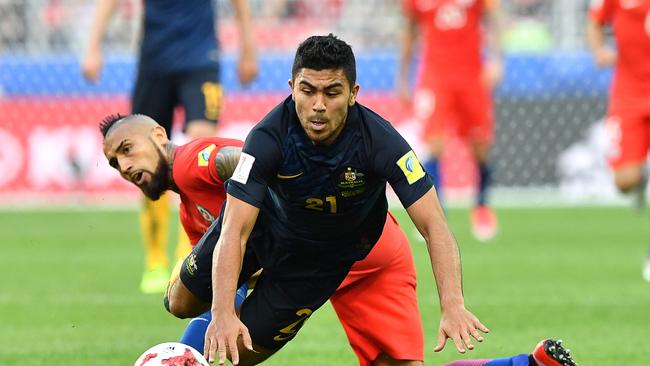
<point>69,296</point>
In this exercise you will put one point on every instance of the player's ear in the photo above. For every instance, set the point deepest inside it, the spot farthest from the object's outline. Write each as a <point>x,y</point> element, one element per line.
<point>353,95</point>
<point>290,82</point>
<point>159,134</point>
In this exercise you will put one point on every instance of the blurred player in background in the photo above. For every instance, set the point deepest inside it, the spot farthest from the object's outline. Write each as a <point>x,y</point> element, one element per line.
<point>177,65</point>
<point>548,352</point>
<point>454,83</point>
<point>628,115</point>
<point>377,301</point>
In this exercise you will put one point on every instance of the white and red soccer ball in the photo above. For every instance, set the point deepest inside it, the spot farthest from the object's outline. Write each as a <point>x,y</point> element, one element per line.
<point>171,354</point>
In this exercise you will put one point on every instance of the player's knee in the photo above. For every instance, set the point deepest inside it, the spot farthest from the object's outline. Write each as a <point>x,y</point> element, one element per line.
<point>182,304</point>
<point>628,180</point>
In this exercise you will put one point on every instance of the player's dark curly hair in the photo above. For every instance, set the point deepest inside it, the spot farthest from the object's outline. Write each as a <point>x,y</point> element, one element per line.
<point>325,52</point>
<point>108,122</point>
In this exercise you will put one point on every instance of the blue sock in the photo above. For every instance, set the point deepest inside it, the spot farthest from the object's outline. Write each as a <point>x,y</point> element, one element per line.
<point>433,168</point>
<point>484,178</point>
<point>519,360</point>
<point>194,334</point>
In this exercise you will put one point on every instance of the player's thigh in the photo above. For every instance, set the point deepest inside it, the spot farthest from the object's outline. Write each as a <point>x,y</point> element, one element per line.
<point>628,140</point>
<point>434,107</point>
<point>380,312</point>
<point>155,96</point>
<point>286,294</point>
<point>476,122</point>
<point>196,270</point>
<point>202,97</point>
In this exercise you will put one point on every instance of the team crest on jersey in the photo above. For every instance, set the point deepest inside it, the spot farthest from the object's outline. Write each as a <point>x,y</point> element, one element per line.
<point>190,264</point>
<point>205,213</point>
<point>204,155</point>
<point>351,182</point>
<point>411,167</point>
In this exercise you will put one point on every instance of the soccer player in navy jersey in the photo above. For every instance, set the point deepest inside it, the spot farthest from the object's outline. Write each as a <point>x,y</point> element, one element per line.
<point>306,201</point>
<point>177,65</point>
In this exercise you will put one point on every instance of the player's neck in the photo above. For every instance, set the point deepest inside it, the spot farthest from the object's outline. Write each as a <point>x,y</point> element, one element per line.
<point>170,153</point>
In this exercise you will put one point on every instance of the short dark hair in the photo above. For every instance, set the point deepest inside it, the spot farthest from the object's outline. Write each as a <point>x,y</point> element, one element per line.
<point>108,122</point>
<point>325,52</point>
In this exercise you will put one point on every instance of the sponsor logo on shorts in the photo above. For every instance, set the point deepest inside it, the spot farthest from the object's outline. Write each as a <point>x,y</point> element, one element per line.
<point>190,264</point>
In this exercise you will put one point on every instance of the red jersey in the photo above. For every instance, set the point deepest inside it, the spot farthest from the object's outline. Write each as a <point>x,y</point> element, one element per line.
<point>450,33</point>
<point>202,192</point>
<point>630,20</point>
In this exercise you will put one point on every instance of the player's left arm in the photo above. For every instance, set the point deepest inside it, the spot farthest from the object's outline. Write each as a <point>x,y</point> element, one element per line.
<point>493,21</point>
<point>456,321</point>
<point>226,161</point>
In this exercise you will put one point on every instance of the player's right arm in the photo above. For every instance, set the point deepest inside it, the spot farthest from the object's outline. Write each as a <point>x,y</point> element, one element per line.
<point>409,38</point>
<point>221,337</point>
<point>91,64</point>
<point>599,16</point>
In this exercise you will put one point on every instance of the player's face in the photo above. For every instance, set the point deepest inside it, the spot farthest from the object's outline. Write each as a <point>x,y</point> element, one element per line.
<point>322,100</point>
<point>139,159</point>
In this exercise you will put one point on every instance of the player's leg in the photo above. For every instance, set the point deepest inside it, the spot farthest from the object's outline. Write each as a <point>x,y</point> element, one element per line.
<point>548,352</point>
<point>478,128</point>
<point>433,107</point>
<point>377,304</point>
<point>290,288</point>
<point>628,133</point>
<point>154,96</point>
<point>194,334</point>
<point>202,97</point>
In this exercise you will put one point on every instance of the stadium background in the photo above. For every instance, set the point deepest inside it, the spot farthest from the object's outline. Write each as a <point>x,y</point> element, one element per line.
<point>68,229</point>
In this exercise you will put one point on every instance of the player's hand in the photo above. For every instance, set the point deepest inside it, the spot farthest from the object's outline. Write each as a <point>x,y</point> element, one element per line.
<point>221,337</point>
<point>461,326</point>
<point>248,67</point>
<point>605,57</point>
<point>493,72</point>
<point>91,65</point>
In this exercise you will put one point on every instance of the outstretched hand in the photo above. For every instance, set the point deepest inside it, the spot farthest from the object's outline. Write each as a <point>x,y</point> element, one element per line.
<point>461,326</point>
<point>221,337</point>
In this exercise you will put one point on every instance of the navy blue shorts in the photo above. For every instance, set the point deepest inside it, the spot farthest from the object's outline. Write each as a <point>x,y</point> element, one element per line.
<point>197,91</point>
<point>289,290</point>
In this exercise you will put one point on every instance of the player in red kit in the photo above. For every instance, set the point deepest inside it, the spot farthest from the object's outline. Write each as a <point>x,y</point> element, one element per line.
<point>454,83</point>
<point>628,115</point>
<point>376,303</point>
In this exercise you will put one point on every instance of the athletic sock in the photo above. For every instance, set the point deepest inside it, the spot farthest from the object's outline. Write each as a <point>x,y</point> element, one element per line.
<point>484,178</point>
<point>154,224</point>
<point>519,360</point>
<point>194,334</point>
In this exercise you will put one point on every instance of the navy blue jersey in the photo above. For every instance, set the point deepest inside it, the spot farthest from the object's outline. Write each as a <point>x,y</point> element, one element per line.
<point>179,35</point>
<point>328,200</point>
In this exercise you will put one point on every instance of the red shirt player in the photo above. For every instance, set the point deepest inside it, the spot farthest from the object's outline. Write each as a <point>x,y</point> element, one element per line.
<point>453,88</point>
<point>376,303</point>
<point>628,115</point>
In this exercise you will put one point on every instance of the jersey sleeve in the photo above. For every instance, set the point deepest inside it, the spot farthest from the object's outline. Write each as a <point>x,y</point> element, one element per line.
<point>260,157</point>
<point>397,163</point>
<point>602,11</point>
